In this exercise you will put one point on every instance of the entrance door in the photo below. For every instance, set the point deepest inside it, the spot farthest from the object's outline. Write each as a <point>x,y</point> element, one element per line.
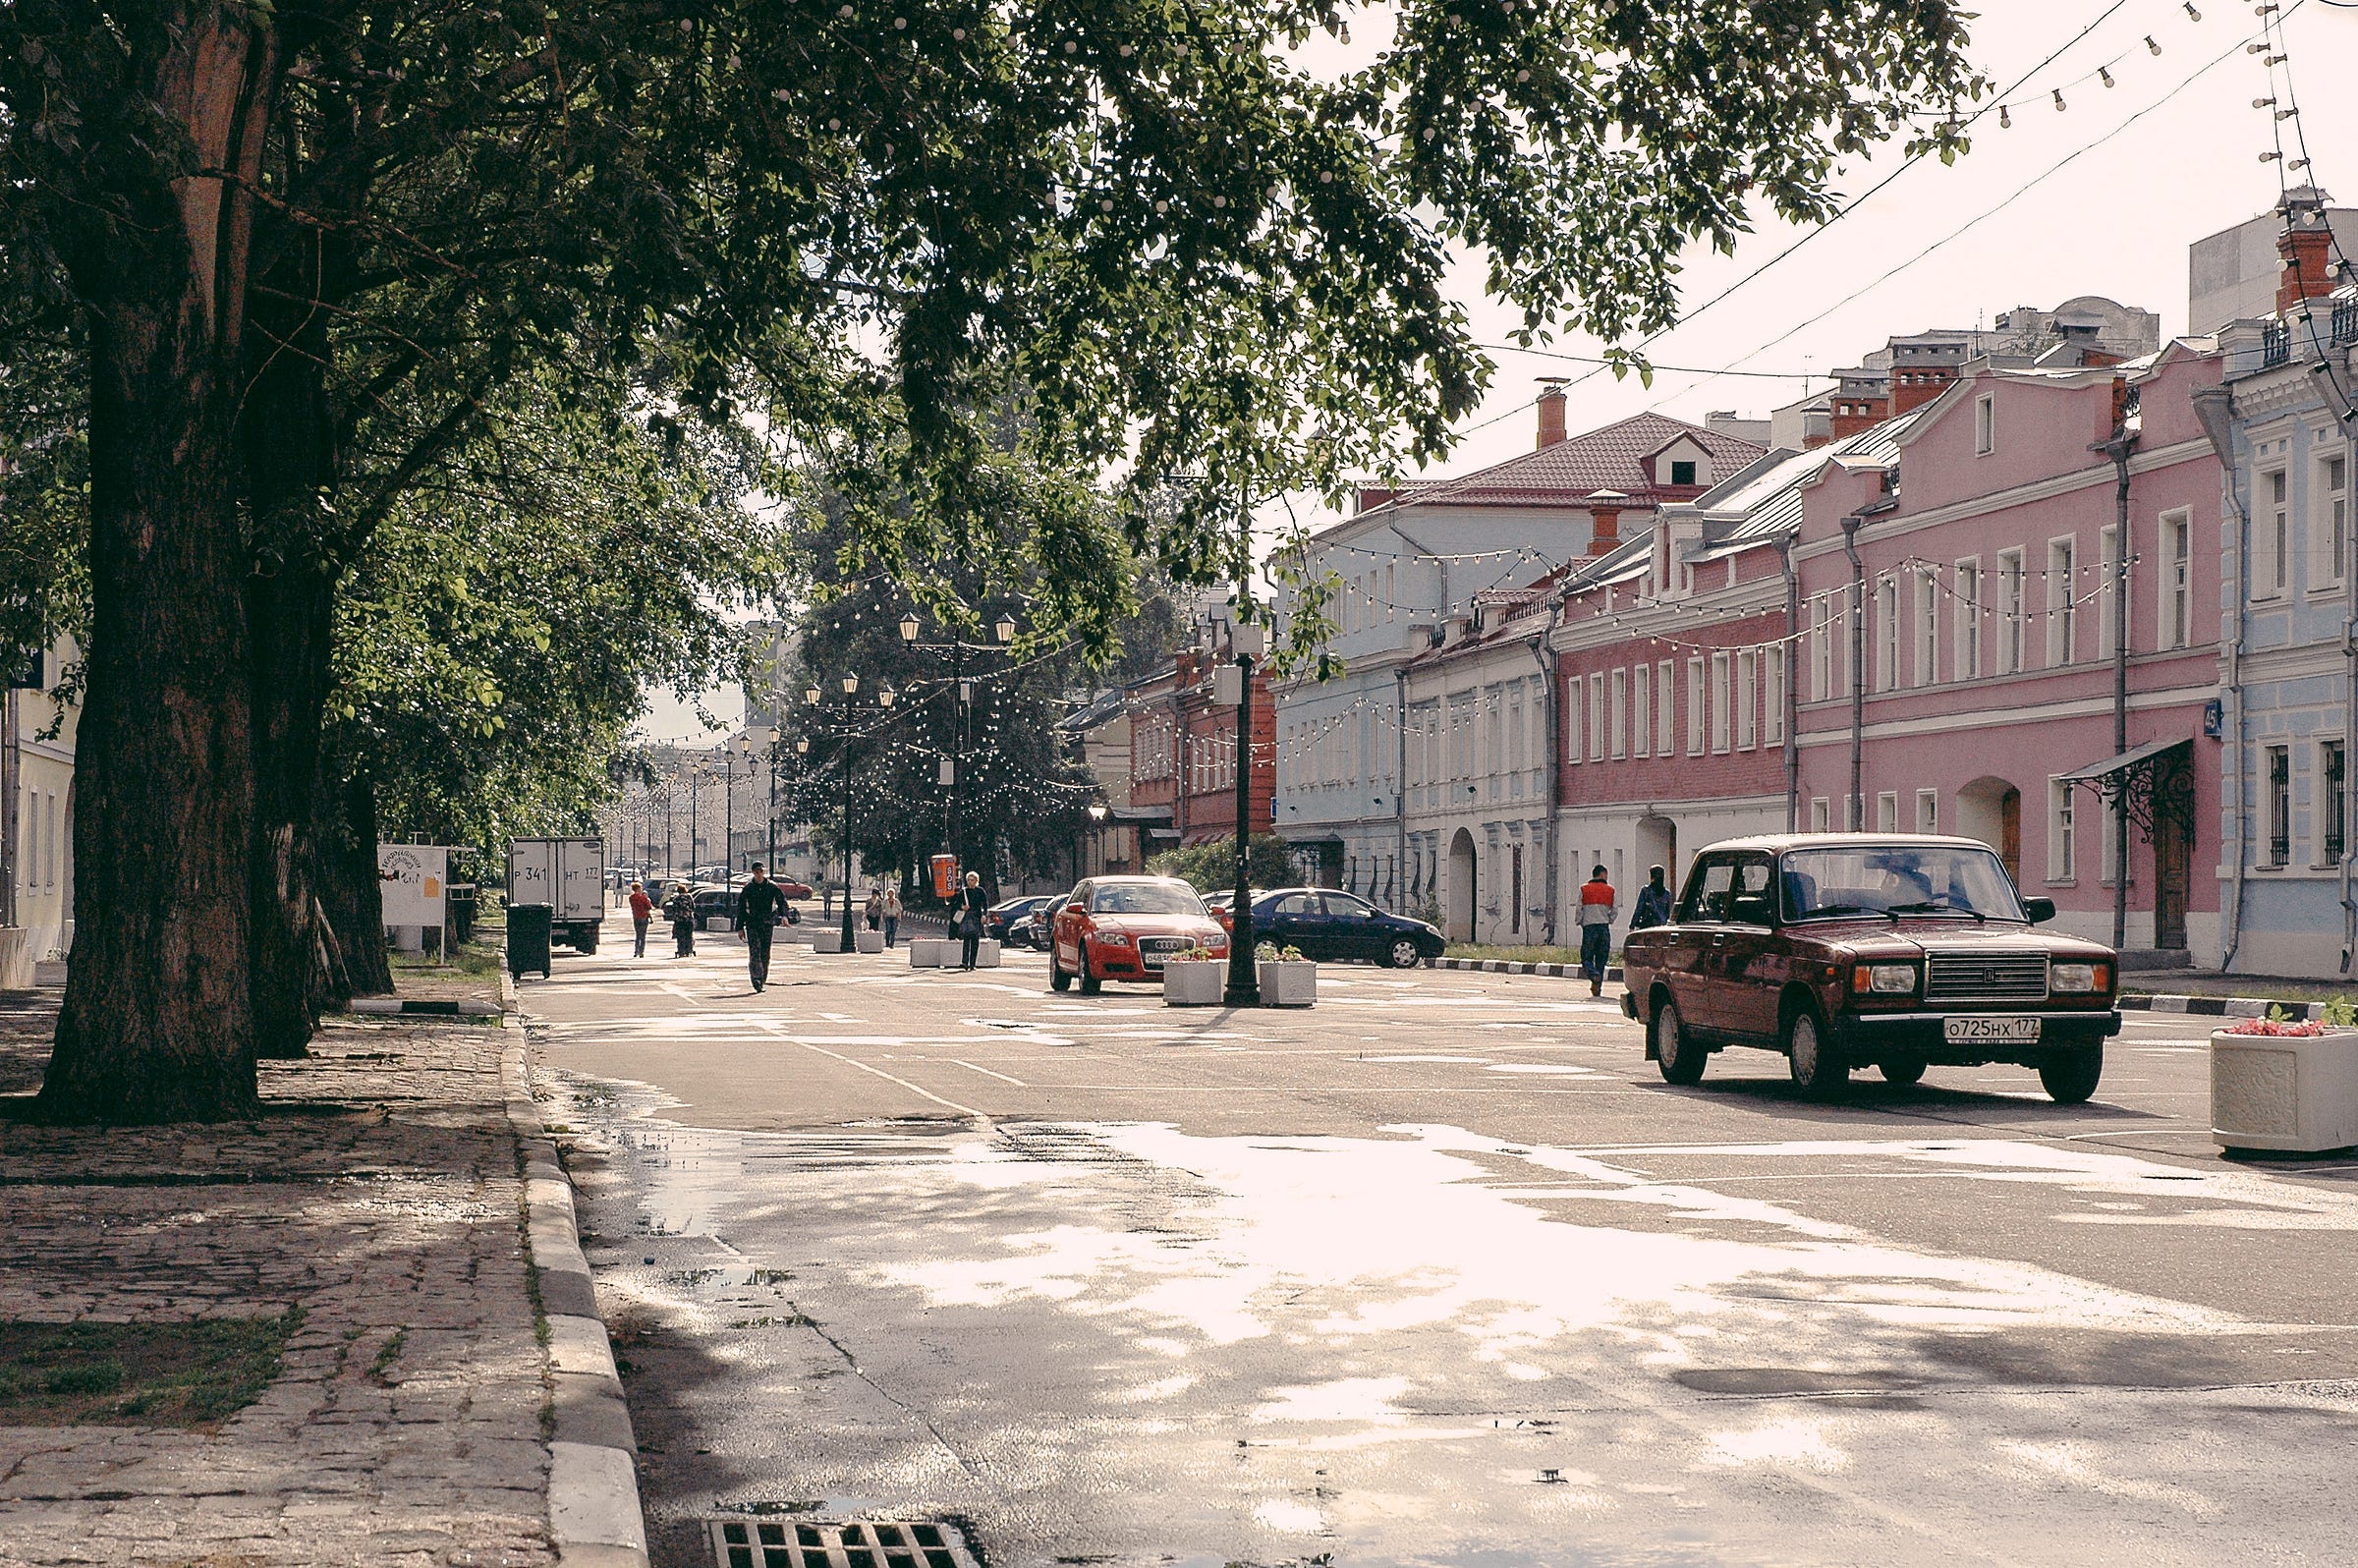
<point>1461,888</point>
<point>2171,852</point>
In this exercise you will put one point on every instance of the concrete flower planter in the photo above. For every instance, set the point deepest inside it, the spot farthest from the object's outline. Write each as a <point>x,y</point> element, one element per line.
<point>869,941</point>
<point>987,953</point>
<point>931,952</point>
<point>2289,1094</point>
<point>829,940</point>
<point>1195,982</point>
<point>1288,982</point>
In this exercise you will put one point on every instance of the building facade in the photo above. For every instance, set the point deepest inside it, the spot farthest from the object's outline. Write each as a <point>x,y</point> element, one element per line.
<point>36,822</point>
<point>2282,419</point>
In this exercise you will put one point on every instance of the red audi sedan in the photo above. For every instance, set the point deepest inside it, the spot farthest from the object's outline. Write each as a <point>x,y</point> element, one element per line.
<point>1125,927</point>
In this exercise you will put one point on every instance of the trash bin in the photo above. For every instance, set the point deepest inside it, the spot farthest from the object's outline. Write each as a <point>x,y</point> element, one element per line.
<point>528,938</point>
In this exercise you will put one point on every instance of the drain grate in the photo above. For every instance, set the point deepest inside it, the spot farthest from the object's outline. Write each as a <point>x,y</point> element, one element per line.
<point>839,1544</point>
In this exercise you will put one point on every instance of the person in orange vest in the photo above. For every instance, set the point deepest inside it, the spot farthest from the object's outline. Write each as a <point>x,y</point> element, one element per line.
<point>1598,906</point>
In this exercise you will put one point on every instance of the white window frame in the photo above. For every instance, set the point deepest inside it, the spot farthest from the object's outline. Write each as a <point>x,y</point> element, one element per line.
<point>2174,582</point>
<point>2272,534</point>
<point>1572,725</point>
<point>1928,626</point>
<point>1928,810</point>
<point>2012,615</point>
<point>1773,700</point>
<point>1619,710</point>
<point>2329,519</point>
<point>1665,718</point>
<point>1822,815</point>
<point>2275,811</point>
<point>1822,648</point>
<point>1719,702</point>
<point>1695,704</point>
<point>1985,424</point>
<point>1886,811</point>
<point>1886,632</point>
<point>1748,693</point>
<point>1597,719</point>
<point>2323,809</point>
<point>1966,663</point>
<point>2062,832</point>
<point>2063,610</point>
<point>1641,710</point>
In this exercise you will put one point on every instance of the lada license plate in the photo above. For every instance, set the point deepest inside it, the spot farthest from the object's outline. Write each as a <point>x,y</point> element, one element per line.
<point>1989,1031</point>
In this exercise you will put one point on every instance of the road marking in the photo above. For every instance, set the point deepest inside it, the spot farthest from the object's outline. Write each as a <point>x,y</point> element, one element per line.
<point>779,1031</point>
<point>986,1072</point>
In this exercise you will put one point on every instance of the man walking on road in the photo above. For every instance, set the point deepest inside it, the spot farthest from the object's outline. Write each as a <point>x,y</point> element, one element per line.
<point>643,910</point>
<point>759,908</point>
<point>1599,905</point>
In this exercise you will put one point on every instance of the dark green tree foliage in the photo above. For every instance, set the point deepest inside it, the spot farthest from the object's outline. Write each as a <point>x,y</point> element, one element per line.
<point>1211,866</point>
<point>1190,252</point>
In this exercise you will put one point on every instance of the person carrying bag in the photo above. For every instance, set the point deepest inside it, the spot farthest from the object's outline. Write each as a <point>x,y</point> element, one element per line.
<point>966,919</point>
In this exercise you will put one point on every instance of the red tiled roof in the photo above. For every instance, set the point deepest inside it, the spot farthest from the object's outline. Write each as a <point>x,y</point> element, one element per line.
<point>1609,459</point>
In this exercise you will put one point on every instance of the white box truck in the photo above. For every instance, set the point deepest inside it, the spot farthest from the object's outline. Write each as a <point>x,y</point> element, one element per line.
<point>569,874</point>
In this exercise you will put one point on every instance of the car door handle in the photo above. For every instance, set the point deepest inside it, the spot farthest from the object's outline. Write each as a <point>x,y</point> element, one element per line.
<point>1719,938</point>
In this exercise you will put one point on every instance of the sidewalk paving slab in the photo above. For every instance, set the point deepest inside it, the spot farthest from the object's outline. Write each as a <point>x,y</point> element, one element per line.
<point>398,1189</point>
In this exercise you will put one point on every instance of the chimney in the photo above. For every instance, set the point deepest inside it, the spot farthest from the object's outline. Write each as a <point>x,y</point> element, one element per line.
<point>1604,510</point>
<point>1552,414</point>
<point>2306,247</point>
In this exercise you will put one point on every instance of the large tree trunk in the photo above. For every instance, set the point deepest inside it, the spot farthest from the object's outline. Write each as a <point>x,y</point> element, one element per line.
<point>349,889</point>
<point>157,1020</point>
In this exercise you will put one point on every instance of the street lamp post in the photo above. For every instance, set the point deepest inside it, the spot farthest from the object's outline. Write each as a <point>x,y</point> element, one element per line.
<point>885,698</point>
<point>1004,631</point>
<point>1245,641</point>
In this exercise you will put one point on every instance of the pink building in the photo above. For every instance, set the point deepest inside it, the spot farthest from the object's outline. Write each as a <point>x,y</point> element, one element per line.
<point>1955,668</point>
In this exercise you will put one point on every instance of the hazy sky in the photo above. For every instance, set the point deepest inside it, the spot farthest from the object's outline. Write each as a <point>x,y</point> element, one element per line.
<point>2103,198</point>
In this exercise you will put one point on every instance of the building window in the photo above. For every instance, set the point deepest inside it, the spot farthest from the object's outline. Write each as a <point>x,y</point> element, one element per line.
<point>1719,702</point>
<point>1886,628</point>
<point>2329,525</point>
<point>2332,803</point>
<point>2270,535</point>
<point>1695,705</point>
<point>2011,609</point>
<point>1887,811</point>
<point>1928,811</point>
<point>1748,691</point>
<point>1822,649</point>
<point>2279,805</point>
<point>1641,710</point>
<point>1928,627</point>
<point>1968,662</point>
<point>1621,712</point>
<point>1985,424</point>
<point>1773,705</point>
<point>1822,817</point>
<point>2062,600</point>
<point>2177,580</point>
<point>2061,823</point>
<point>1572,752</point>
<point>1682,471</point>
<point>2107,599</point>
<point>1665,718</point>
<point>1597,721</point>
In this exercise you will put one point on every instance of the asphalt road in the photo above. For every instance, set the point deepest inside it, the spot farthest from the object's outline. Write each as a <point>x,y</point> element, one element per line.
<point>1440,1272</point>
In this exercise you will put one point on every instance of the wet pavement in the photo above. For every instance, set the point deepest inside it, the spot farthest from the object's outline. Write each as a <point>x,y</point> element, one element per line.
<point>1438,1272</point>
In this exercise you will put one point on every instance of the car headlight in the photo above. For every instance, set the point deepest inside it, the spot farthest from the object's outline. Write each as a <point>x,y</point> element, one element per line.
<point>2080,979</point>
<point>1114,938</point>
<point>1884,979</point>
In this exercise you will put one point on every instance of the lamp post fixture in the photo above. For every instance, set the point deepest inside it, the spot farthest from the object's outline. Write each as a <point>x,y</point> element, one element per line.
<point>885,698</point>
<point>1245,641</point>
<point>1004,631</point>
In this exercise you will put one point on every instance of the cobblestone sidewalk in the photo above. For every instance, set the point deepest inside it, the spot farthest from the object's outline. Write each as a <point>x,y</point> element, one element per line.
<point>381,1195</point>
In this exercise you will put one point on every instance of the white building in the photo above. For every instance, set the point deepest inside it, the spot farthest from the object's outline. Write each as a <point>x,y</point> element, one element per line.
<point>36,831</point>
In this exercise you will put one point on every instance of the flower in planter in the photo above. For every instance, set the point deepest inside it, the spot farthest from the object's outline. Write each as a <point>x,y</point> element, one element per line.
<point>2279,1028</point>
<point>1196,955</point>
<point>1271,953</point>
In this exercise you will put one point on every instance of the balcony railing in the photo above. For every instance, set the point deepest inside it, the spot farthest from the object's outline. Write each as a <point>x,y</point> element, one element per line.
<point>2276,346</point>
<point>2345,322</point>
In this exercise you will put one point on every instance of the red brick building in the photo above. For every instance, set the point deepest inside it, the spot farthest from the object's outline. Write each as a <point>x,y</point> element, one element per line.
<point>1182,785</point>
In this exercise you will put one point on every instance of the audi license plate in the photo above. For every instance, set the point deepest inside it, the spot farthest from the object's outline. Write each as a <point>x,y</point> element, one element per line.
<point>1989,1031</point>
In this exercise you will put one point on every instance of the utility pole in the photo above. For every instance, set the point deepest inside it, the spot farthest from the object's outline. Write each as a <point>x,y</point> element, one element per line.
<point>1245,641</point>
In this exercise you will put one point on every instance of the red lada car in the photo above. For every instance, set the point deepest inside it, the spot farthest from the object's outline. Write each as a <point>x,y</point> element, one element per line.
<point>1842,950</point>
<point>1123,928</point>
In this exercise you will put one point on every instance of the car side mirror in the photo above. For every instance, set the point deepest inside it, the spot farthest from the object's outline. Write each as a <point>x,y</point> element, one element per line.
<point>2040,910</point>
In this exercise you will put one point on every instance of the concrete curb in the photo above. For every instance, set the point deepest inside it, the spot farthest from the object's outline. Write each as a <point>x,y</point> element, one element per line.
<point>594,1516</point>
<point>1501,966</point>
<point>412,1008</point>
<point>2221,1006</point>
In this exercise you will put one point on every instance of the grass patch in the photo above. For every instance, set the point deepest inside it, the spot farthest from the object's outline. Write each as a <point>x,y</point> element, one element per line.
<point>137,1375</point>
<point>1519,955</point>
<point>468,958</point>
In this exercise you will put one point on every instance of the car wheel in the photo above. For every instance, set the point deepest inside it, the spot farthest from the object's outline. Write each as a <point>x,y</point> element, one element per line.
<point>1402,954</point>
<point>1089,983</point>
<point>1818,1069</point>
<point>2070,1075</point>
<point>1058,980</point>
<point>1681,1060</point>
<point>1901,1073</point>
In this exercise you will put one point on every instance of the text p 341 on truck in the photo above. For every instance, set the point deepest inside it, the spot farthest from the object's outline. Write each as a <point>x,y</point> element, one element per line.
<point>568,875</point>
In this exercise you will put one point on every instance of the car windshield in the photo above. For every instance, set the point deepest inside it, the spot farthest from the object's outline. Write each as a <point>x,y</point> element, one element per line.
<point>1898,879</point>
<point>1146,898</point>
